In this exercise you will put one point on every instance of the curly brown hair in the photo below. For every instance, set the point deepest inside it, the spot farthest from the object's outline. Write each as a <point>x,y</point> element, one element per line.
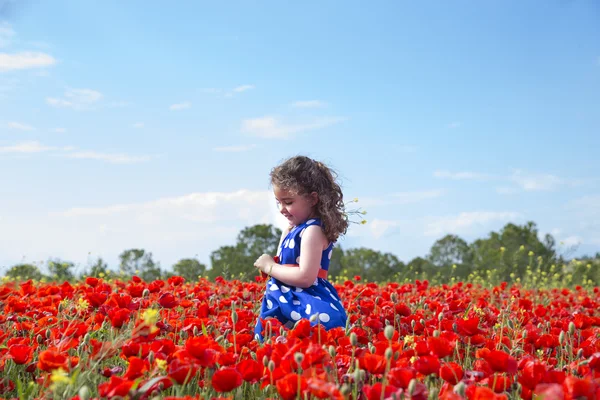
<point>303,175</point>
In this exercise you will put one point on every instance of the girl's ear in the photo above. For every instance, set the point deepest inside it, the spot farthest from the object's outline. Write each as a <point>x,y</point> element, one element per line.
<point>314,199</point>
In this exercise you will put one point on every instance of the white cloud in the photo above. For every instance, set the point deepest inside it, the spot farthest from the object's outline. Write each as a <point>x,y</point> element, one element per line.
<point>25,60</point>
<point>530,182</point>
<point>309,104</point>
<point>454,125</point>
<point>243,88</point>
<point>180,106</point>
<point>77,99</point>
<point>522,180</point>
<point>27,147</point>
<point>20,127</point>
<point>112,158</point>
<point>171,227</point>
<point>270,127</point>
<point>59,130</point>
<point>138,125</point>
<point>380,227</point>
<point>571,241</point>
<point>466,222</point>
<point>234,149</point>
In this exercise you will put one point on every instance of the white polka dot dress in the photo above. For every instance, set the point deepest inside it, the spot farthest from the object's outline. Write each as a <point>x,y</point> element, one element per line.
<point>288,303</point>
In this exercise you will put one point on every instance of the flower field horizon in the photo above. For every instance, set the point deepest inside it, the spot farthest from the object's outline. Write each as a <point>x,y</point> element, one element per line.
<point>172,339</point>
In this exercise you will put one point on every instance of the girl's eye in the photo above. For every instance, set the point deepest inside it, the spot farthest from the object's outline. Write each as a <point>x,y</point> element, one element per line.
<point>288,203</point>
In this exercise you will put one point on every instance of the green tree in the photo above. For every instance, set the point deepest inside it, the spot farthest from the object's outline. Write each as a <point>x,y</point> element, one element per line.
<point>370,264</point>
<point>189,268</point>
<point>139,262</point>
<point>24,272</point>
<point>237,262</point>
<point>61,270</point>
<point>449,251</point>
<point>98,268</point>
<point>335,263</point>
<point>508,254</point>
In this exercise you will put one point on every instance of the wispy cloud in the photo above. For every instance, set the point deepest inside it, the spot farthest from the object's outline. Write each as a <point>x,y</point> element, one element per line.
<point>454,125</point>
<point>20,127</point>
<point>77,99</point>
<point>401,198</point>
<point>33,147</point>
<point>234,149</point>
<point>112,158</point>
<point>138,125</point>
<point>180,106</point>
<point>466,222</point>
<point>27,147</point>
<point>59,130</point>
<point>270,127</point>
<point>243,88</point>
<point>522,180</point>
<point>309,104</point>
<point>25,60</point>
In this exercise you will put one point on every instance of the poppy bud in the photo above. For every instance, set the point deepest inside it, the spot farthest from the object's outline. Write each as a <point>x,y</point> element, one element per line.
<point>411,386</point>
<point>571,328</point>
<point>145,293</point>
<point>460,389</point>
<point>436,333</point>
<point>271,365</point>
<point>332,351</point>
<point>353,339</point>
<point>561,338</point>
<point>84,393</point>
<point>388,353</point>
<point>299,357</point>
<point>265,360</point>
<point>389,332</point>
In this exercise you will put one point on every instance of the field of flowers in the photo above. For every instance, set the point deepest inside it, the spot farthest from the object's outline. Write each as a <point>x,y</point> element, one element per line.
<point>179,340</point>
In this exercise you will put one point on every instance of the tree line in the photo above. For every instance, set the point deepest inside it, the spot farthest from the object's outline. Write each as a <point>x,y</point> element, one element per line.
<point>515,254</point>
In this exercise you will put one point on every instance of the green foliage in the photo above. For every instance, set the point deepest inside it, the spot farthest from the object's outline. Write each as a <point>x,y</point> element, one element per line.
<point>24,272</point>
<point>189,268</point>
<point>61,271</point>
<point>139,262</point>
<point>237,262</point>
<point>515,254</point>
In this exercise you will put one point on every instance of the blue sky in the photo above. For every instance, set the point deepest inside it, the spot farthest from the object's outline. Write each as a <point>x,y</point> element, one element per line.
<point>133,124</point>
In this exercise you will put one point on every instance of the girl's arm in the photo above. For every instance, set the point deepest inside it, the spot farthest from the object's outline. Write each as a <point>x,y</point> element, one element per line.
<point>304,275</point>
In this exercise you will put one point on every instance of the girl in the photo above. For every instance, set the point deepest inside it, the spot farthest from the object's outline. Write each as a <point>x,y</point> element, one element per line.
<point>311,200</point>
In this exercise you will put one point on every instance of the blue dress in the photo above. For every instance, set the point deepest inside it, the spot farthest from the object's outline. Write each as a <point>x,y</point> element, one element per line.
<point>289,303</point>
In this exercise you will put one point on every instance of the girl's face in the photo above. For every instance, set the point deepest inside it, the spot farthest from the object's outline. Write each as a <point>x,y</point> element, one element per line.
<point>296,208</point>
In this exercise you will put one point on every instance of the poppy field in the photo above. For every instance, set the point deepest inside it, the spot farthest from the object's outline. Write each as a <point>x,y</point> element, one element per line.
<point>172,339</point>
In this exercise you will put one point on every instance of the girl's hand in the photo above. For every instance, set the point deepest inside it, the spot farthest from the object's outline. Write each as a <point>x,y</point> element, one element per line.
<point>264,263</point>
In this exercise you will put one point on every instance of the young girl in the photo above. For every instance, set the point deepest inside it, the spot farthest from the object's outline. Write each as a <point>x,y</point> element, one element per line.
<point>311,200</point>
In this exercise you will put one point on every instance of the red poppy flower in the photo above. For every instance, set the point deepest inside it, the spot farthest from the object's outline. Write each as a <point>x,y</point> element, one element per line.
<point>451,372</point>
<point>181,371</point>
<point>377,392</point>
<point>401,377</point>
<point>20,353</point>
<point>52,359</point>
<point>168,300</point>
<point>115,387</point>
<point>251,370</point>
<point>226,379</point>
<point>501,361</point>
<point>290,385</point>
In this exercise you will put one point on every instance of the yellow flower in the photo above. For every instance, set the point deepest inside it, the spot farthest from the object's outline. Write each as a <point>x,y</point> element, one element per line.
<point>530,253</point>
<point>59,376</point>
<point>82,304</point>
<point>364,221</point>
<point>409,339</point>
<point>355,200</point>
<point>503,249</point>
<point>161,364</point>
<point>150,316</point>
